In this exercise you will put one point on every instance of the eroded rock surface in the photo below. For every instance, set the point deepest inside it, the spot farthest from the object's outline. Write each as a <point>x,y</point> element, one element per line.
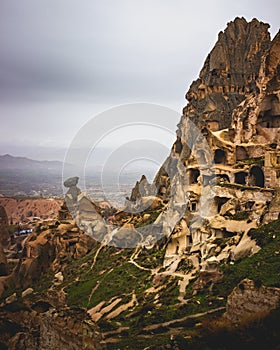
<point>249,300</point>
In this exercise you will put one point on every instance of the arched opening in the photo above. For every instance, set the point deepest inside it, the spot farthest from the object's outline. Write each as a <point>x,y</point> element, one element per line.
<point>220,201</point>
<point>240,177</point>
<point>223,178</point>
<point>220,156</point>
<point>256,177</point>
<point>241,153</point>
<point>178,145</point>
<point>193,176</point>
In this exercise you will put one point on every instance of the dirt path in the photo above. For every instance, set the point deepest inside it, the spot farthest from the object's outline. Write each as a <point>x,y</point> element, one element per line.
<point>102,245</point>
<point>139,267</point>
<point>169,323</point>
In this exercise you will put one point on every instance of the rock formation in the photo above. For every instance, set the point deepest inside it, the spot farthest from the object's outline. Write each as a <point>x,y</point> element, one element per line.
<point>141,189</point>
<point>249,300</point>
<point>46,327</point>
<point>214,193</point>
<point>4,235</point>
<point>235,104</point>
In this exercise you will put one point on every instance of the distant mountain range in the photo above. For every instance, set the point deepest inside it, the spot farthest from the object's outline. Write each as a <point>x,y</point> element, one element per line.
<point>8,162</point>
<point>25,176</point>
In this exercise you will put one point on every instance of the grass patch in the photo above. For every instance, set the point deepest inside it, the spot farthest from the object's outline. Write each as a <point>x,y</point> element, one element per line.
<point>243,187</point>
<point>250,161</point>
<point>262,267</point>
<point>112,275</point>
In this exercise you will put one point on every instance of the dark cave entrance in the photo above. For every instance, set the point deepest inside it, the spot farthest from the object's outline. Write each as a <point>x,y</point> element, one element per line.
<point>220,156</point>
<point>193,176</point>
<point>256,177</point>
<point>240,178</point>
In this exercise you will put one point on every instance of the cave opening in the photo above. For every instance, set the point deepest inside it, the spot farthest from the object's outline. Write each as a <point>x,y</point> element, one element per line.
<point>240,177</point>
<point>256,177</point>
<point>220,201</point>
<point>220,156</point>
<point>193,176</point>
<point>193,206</point>
<point>178,145</point>
<point>223,178</point>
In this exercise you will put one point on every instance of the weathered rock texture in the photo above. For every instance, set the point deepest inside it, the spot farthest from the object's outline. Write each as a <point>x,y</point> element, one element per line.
<point>54,329</point>
<point>248,301</point>
<point>19,210</point>
<point>4,235</point>
<point>231,185</point>
<point>229,73</point>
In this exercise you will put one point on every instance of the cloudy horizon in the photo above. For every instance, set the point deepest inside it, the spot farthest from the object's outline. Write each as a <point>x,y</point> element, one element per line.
<point>63,62</point>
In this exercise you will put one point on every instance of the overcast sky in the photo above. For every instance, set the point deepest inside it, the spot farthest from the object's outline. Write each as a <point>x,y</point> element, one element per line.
<point>63,61</point>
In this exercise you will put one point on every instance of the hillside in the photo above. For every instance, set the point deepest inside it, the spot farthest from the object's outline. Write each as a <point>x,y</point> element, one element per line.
<point>24,176</point>
<point>8,162</point>
<point>20,209</point>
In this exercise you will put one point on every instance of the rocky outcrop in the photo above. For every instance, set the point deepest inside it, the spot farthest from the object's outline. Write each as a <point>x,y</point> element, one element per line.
<point>25,209</point>
<point>73,190</point>
<point>229,74</point>
<point>53,328</point>
<point>3,262</point>
<point>49,249</point>
<point>224,165</point>
<point>141,189</point>
<point>249,301</point>
<point>4,234</point>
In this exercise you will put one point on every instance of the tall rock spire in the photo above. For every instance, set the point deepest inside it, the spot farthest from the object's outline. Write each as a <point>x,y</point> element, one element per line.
<point>229,73</point>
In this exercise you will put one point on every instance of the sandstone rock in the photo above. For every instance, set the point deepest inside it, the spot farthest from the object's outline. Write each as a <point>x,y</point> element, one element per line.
<point>72,181</point>
<point>245,247</point>
<point>10,299</point>
<point>249,301</point>
<point>3,262</point>
<point>57,329</point>
<point>127,236</point>
<point>59,277</point>
<point>204,278</point>
<point>150,202</point>
<point>4,234</point>
<point>142,189</point>
<point>27,292</point>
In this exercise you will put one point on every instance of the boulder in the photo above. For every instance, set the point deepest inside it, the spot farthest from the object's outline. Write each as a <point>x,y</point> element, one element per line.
<point>59,277</point>
<point>248,301</point>
<point>72,181</point>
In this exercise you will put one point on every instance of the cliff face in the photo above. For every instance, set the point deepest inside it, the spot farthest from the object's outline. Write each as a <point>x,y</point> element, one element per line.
<point>232,166</point>
<point>229,74</point>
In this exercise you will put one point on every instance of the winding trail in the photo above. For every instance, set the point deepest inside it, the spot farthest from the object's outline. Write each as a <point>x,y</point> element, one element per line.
<point>169,323</point>
<point>102,245</point>
<point>139,266</point>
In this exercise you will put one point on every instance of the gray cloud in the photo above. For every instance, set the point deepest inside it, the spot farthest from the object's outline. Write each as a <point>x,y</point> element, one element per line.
<point>62,61</point>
